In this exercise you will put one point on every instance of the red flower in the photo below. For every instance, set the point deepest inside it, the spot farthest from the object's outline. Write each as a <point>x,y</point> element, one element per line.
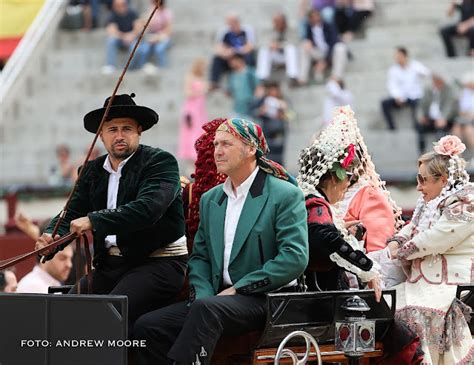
<point>350,156</point>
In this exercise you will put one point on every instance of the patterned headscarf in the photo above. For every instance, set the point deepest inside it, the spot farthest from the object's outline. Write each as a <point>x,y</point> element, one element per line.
<point>251,134</point>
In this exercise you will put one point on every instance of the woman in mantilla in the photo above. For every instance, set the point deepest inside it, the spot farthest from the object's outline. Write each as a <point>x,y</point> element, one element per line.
<point>327,167</point>
<point>437,250</point>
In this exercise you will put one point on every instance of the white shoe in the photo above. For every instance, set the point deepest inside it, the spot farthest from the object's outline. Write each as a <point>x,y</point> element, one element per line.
<point>108,69</point>
<point>150,69</point>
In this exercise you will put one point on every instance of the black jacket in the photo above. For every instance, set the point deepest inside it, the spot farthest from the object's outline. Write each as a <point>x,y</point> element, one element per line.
<point>149,213</point>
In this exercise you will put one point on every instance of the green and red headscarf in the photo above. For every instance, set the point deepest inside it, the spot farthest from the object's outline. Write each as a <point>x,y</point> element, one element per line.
<point>251,134</point>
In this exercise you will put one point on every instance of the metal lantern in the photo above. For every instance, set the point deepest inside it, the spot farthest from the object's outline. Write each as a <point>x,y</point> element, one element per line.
<point>355,334</point>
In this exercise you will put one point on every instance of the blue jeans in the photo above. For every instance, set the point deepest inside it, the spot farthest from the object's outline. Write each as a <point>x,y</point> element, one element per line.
<point>114,44</point>
<point>158,50</point>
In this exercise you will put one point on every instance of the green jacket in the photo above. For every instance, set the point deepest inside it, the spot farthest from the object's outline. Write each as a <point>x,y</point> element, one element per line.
<point>270,247</point>
<point>149,212</point>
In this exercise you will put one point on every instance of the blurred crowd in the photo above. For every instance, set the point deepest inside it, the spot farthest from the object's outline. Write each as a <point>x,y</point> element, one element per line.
<point>258,71</point>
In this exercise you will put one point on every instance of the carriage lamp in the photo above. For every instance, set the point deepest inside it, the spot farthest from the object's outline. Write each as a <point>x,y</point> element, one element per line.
<point>355,334</point>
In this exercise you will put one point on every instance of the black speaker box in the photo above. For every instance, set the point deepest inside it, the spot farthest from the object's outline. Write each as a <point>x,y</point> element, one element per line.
<point>48,329</point>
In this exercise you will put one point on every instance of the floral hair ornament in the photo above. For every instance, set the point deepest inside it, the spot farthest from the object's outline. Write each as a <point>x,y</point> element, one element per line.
<point>449,146</point>
<point>340,167</point>
<point>452,146</point>
<point>339,144</point>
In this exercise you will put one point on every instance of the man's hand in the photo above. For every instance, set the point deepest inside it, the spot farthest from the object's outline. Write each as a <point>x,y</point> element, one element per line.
<point>128,38</point>
<point>307,46</point>
<point>80,225</point>
<point>399,101</point>
<point>441,123</point>
<point>43,241</point>
<point>375,284</point>
<point>424,121</point>
<point>228,291</point>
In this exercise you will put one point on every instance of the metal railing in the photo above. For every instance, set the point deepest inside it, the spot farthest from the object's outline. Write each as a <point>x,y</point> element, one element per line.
<point>284,352</point>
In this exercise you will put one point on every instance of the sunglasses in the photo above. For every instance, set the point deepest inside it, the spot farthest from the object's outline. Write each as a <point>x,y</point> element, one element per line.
<point>423,179</point>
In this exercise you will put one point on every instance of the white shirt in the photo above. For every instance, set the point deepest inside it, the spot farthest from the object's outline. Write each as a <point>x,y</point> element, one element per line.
<point>434,111</point>
<point>235,204</point>
<point>112,192</point>
<point>318,38</point>
<point>406,82</point>
<point>335,96</point>
<point>37,281</point>
<point>466,101</point>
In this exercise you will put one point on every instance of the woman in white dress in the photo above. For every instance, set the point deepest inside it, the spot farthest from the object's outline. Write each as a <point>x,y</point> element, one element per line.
<point>437,251</point>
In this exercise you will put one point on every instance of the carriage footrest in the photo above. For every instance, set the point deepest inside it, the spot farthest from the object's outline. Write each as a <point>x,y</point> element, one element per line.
<point>328,354</point>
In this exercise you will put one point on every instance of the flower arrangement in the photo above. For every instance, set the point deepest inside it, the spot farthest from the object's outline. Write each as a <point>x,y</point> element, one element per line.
<point>341,167</point>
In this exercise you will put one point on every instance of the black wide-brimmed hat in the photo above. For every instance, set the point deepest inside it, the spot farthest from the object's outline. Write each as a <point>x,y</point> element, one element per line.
<point>122,106</point>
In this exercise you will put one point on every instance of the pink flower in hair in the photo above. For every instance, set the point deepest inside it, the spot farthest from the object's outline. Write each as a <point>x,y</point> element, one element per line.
<point>449,146</point>
<point>350,156</point>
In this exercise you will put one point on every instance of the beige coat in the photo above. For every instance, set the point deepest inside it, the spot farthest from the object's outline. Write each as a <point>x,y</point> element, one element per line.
<point>444,253</point>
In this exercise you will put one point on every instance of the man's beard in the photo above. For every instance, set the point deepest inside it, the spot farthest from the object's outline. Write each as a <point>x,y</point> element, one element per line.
<point>122,154</point>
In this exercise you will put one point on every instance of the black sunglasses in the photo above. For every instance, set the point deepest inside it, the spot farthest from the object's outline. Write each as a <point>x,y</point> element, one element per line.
<point>423,179</point>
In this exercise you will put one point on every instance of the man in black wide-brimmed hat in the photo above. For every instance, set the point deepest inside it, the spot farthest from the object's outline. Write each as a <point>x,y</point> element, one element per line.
<point>131,200</point>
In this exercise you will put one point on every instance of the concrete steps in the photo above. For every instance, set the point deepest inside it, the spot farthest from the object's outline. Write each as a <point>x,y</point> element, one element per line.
<point>65,82</point>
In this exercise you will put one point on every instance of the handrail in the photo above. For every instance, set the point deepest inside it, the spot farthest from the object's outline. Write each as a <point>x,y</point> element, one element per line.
<point>285,352</point>
<point>28,43</point>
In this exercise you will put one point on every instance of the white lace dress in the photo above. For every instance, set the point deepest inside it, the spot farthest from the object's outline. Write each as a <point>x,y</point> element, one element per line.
<point>438,251</point>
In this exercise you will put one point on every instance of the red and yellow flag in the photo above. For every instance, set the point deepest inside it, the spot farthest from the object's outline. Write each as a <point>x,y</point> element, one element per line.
<point>15,18</point>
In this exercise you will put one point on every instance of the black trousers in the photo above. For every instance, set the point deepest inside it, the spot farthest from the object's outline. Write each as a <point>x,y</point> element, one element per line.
<point>152,284</point>
<point>449,32</point>
<point>389,104</point>
<point>430,127</point>
<point>188,335</point>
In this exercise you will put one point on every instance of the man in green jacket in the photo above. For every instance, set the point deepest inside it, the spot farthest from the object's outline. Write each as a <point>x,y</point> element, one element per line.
<point>131,201</point>
<point>252,239</point>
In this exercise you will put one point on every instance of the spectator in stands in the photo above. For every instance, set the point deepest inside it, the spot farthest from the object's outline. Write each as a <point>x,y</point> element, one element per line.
<point>438,109</point>
<point>321,44</point>
<point>51,273</point>
<point>326,170</point>
<point>273,113</point>
<point>336,95</point>
<point>194,113</point>
<point>90,11</point>
<point>326,8</point>
<point>436,249</point>
<point>158,37</point>
<point>130,200</point>
<point>351,15</point>
<point>34,231</point>
<point>241,85</point>
<point>8,283</point>
<point>27,226</point>
<point>278,51</point>
<point>62,174</point>
<point>235,39</point>
<point>464,125</point>
<point>269,252</point>
<point>123,27</point>
<point>80,161</point>
<point>463,28</point>
<point>405,86</point>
